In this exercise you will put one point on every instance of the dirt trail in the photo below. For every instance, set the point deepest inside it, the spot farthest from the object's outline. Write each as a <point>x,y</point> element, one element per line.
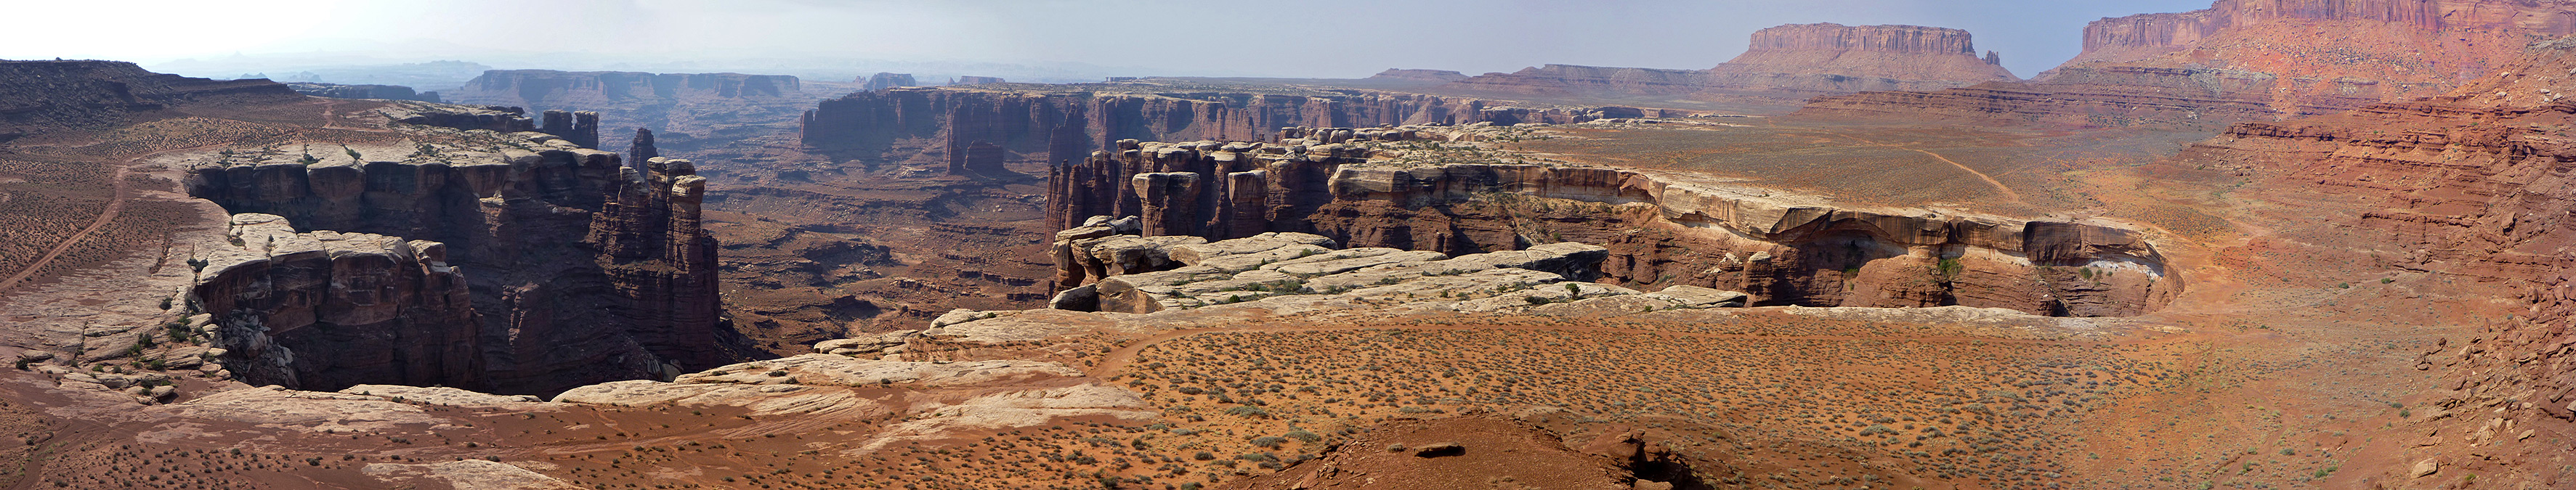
<point>1117,360</point>
<point>114,205</point>
<point>117,204</point>
<point>1990,180</point>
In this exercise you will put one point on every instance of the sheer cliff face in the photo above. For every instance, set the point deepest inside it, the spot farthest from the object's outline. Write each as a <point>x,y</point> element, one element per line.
<point>2249,60</point>
<point>1785,64</point>
<point>580,269</point>
<point>1657,232</point>
<point>939,127</point>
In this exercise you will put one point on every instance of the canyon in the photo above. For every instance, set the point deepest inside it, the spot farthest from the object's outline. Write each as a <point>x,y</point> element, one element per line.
<point>2270,244</point>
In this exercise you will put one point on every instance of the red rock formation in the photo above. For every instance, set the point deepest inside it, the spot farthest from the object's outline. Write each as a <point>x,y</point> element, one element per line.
<point>582,270</point>
<point>2295,57</point>
<point>1782,252</point>
<point>1784,64</point>
<point>2471,188</point>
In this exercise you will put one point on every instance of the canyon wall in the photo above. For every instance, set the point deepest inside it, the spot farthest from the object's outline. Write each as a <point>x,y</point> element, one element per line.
<point>1658,232</point>
<point>2204,67</point>
<point>2472,189</point>
<point>328,309</point>
<point>41,96</point>
<point>936,127</point>
<point>1784,64</point>
<point>581,270</point>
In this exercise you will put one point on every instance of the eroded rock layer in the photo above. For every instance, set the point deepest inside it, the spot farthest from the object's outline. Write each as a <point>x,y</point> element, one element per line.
<point>940,127</point>
<point>581,269</point>
<point>2472,187</point>
<point>1659,231</point>
<point>2249,60</point>
<point>1785,63</point>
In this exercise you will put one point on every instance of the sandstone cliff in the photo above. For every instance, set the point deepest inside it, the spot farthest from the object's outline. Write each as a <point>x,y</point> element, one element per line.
<point>581,269</point>
<point>327,309</point>
<point>2471,189</point>
<point>937,127</point>
<point>2286,57</point>
<point>1659,231</point>
<point>1783,64</point>
<point>41,96</point>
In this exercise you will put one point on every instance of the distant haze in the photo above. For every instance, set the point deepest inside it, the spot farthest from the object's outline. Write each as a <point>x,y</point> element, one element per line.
<point>1312,38</point>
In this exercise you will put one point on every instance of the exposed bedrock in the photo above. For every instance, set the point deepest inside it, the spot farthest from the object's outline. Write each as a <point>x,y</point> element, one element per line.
<point>581,270</point>
<point>2243,60</point>
<point>942,127</point>
<point>2472,188</point>
<point>1782,250</point>
<point>41,96</point>
<point>327,309</point>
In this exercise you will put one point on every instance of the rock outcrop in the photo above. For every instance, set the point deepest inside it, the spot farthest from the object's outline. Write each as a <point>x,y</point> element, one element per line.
<point>338,91</point>
<point>42,96</point>
<point>937,127</point>
<point>1784,64</point>
<point>2467,194</point>
<point>327,309</point>
<point>2245,60</point>
<point>581,269</point>
<point>883,80</point>
<point>1782,249</point>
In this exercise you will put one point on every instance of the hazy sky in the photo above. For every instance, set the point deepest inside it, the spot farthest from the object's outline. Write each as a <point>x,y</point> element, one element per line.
<point>1306,38</point>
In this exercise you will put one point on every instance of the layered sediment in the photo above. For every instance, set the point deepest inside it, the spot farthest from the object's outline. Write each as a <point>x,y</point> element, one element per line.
<point>581,269</point>
<point>2471,188</point>
<point>2247,60</point>
<point>942,127</point>
<point>1659,231</point>
<point>1784,64</point>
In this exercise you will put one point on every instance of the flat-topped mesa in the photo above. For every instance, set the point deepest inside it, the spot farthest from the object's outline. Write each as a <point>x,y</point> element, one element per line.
<point>2245,60</point>
<point>338,91</point>
<point>582,270</point>
<point>1835,58</point>
<point>1783,64</point>
<point>1418,75</point>
<point>1784,250</point>
<point>942,127</point>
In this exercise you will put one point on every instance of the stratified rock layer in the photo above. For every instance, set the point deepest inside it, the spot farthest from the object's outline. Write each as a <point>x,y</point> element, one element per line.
<point>939,127</point>
<point>582,270</point>
<point>1783,250</point>
<point>327,309</point>
<point>1784,64</point>
<point>2248,60</point>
